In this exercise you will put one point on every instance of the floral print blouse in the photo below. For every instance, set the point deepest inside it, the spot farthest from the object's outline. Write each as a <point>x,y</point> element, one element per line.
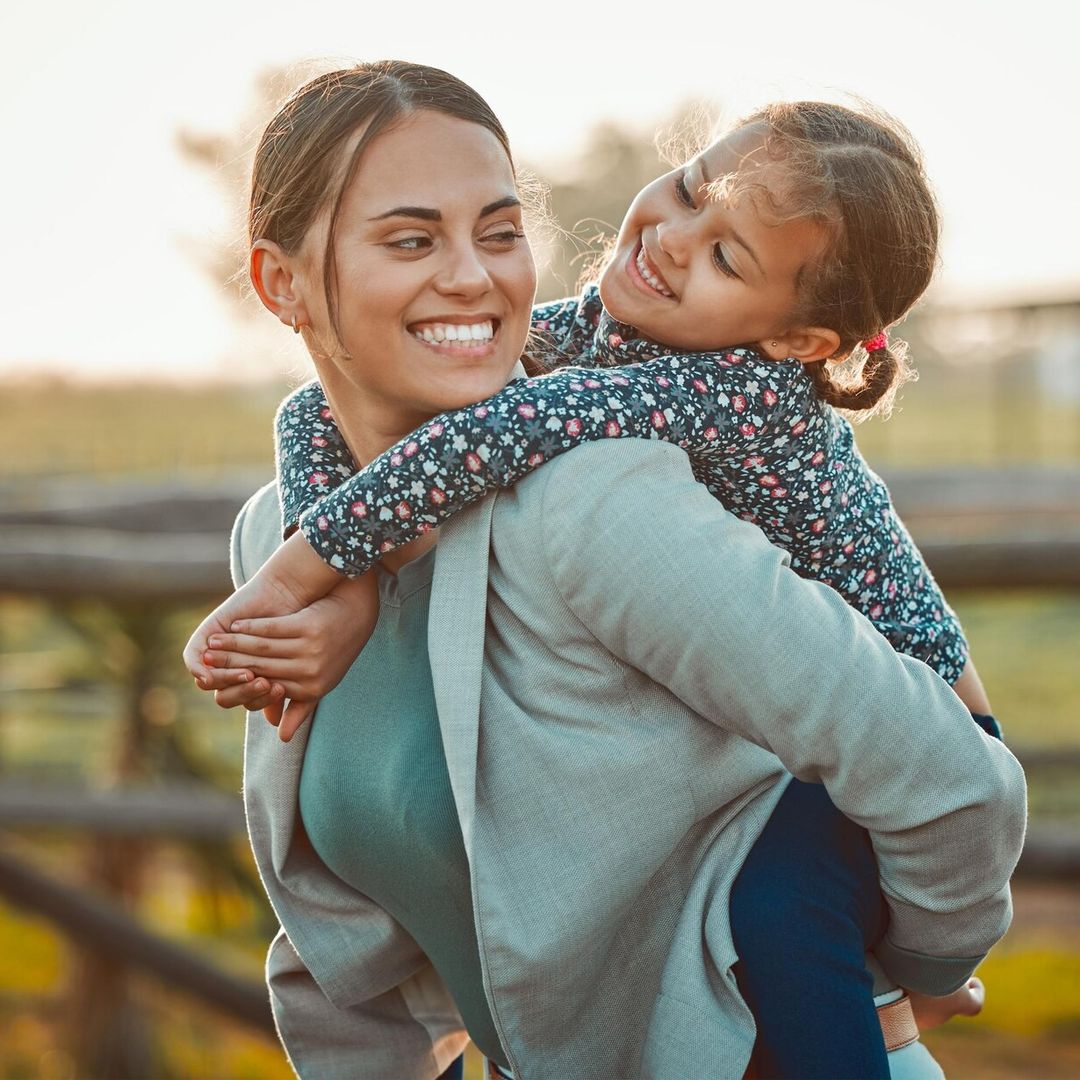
<point>757,437</point>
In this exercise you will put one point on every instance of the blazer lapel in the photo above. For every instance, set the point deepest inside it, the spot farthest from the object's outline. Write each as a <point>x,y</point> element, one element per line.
<point>456,623</point>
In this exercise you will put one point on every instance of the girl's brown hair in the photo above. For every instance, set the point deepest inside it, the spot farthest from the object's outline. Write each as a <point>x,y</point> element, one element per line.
<point>298,168</point>
<point>861,175</point>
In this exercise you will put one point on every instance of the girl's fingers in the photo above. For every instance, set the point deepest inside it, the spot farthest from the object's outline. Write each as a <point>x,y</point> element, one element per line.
<point>296,714</point>
<point>254,697</point>
<point>251,645</point>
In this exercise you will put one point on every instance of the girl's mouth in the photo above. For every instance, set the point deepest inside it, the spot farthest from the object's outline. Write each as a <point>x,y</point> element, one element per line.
<point>457,337</point>
<point>645,275</point>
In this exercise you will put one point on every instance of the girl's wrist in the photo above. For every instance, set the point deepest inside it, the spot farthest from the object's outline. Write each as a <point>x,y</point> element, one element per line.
<point>298,571</point>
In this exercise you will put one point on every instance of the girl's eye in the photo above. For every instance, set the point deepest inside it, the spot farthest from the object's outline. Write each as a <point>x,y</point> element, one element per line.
<point>721,261</point>
<point>681,193</point>
<point>410,243</point>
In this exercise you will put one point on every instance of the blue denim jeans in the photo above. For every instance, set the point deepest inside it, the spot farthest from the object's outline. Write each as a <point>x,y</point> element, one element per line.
<point>805,909</point>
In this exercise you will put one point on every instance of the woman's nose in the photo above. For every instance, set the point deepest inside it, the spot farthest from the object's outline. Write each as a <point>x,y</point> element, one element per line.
<point>464,272</point>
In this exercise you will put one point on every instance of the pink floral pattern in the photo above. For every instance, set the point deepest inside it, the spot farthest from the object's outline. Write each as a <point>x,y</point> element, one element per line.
<point>757,437</point>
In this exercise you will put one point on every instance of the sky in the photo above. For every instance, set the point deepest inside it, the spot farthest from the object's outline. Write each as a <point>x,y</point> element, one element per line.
<point>103,219</point>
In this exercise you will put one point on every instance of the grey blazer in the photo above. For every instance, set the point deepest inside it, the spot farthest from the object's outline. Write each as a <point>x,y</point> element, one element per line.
<point>626,677</point>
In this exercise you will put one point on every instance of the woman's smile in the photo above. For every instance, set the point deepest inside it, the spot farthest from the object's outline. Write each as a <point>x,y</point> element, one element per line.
<point>474,336</point>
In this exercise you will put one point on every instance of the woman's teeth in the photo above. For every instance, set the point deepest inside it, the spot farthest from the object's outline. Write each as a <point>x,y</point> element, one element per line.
<point>469,335</point>
<point>649,276</point>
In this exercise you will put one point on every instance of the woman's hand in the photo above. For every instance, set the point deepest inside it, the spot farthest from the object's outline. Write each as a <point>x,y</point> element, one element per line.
<point>930,1012</point>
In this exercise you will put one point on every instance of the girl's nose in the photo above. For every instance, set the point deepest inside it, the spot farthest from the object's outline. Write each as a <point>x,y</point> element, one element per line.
<point>464,273</point>
<point>674,239</point>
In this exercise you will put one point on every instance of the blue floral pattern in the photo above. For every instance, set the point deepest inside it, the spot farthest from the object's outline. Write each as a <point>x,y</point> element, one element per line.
<point>757,436</point>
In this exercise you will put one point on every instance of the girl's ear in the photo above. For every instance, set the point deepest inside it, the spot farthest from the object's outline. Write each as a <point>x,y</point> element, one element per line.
<point>808,344</point>
<point>274,278</point>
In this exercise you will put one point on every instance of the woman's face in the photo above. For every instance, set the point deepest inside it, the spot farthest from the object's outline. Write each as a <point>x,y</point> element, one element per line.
<point>435,279</point>
<point>697,271</point>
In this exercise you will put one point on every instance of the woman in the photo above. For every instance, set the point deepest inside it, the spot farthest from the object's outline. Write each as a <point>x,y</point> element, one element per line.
<point>576,849</point>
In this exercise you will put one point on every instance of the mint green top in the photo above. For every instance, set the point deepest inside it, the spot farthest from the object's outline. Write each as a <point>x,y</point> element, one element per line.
<point>376,801</point>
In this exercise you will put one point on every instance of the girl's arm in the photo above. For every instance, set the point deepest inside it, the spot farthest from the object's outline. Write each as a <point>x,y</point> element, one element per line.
<point>312,457</point>
<point>459,457</point>
<point>311,454</point>
<point>755,439</point>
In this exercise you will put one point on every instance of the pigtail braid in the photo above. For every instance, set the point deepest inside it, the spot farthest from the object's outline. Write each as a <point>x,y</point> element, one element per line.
<point>869,391</point>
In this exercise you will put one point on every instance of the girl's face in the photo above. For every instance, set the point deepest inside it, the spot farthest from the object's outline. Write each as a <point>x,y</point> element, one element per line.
<point>697,271</point>
<point>435,278</point>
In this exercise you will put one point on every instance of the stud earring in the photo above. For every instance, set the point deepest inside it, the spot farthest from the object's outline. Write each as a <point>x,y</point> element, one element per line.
<point>772,343</point>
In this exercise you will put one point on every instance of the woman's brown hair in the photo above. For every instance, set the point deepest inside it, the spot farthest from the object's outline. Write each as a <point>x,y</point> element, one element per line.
<point>298,168</point>
<point>861,175</point>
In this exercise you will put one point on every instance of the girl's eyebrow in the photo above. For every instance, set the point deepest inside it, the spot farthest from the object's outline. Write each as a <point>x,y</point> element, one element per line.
<point>427,213</point>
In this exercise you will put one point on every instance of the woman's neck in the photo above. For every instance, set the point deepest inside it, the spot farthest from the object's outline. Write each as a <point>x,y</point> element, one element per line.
<point>369,428</point>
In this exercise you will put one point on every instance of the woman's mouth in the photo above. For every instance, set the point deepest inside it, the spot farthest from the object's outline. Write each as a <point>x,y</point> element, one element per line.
<point>457,337</point>
<point>645,275</point>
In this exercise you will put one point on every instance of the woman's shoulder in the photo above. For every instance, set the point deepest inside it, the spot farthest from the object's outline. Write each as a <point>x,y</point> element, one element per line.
<point>256,533</point>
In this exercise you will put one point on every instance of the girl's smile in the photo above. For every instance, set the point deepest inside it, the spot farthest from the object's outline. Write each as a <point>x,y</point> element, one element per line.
<point>699,267</point>
<point>644,274</point>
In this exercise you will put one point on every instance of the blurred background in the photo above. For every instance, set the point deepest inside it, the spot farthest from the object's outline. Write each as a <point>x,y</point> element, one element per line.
<point>139,384</point>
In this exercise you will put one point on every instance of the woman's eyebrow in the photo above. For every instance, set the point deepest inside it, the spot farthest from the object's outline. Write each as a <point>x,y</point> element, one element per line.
<point>424,212</point>
<point>427,213</point>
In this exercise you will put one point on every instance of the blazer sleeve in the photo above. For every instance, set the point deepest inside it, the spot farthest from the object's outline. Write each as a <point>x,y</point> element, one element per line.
<point>352,994</point>
<point>676,586</point>
<point>378,1039</point>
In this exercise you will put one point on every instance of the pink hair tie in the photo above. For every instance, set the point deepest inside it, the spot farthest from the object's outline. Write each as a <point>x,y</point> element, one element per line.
<point>878,341</point>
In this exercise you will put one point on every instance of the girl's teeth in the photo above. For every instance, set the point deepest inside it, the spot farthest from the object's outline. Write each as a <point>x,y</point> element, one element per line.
<point>648,275</point>
<point>466,332</point>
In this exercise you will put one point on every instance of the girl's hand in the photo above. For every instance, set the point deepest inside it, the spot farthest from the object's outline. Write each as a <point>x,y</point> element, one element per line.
<point>300,656</point>
<point>930,1012</point>
<point>293,577</point>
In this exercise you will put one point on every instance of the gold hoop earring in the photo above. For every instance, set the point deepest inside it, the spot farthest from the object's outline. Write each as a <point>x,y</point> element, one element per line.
<point>295,328</point>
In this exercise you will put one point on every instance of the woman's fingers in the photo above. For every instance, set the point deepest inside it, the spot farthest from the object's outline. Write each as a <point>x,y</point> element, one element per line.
<point>254,697</point>
<point>268,667</point>
<point>253,645</point>
<point>220,678</point>
<point>279,626</point>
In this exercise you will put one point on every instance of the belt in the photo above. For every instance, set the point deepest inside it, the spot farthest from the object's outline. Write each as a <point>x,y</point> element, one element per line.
<point>897,1021</point>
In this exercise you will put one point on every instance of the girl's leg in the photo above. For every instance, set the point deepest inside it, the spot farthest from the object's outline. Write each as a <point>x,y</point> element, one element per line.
<point>455,1071</point>
<point>804,909</point>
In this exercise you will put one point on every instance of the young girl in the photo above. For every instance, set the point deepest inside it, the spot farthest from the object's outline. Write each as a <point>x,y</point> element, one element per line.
<point>801,236</point>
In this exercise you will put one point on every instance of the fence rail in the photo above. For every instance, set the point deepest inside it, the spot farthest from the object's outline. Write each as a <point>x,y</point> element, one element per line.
<point>1001,528</point>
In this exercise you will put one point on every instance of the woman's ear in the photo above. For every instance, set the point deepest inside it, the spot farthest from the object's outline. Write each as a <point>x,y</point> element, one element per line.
<point>273,275</point>
<point>808,344</point>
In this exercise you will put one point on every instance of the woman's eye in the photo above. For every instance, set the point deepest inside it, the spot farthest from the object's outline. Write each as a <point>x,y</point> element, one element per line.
<point>681,193</point>
<point>410,243</point>
<point>504,237</point>
<point>721,261</point>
